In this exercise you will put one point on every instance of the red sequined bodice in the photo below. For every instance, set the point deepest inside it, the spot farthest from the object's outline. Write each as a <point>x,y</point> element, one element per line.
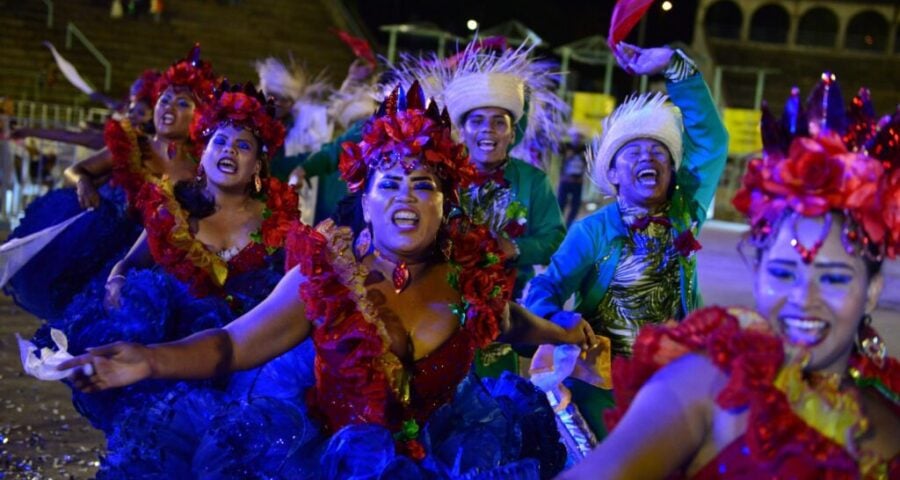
<point>345,394</point>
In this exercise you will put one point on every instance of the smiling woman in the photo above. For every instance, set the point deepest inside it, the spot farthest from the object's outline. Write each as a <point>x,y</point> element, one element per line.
<point>211,250</point>
<point>802,387</point>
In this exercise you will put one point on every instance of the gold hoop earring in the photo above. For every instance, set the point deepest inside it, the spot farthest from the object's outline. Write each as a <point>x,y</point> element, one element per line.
<point>257,183</point>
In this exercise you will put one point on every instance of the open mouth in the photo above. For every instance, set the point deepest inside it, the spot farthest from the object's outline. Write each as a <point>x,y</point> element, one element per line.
<point>487,145</point>
<point>227,165</point>
<point>647,177</point>
<point>168,119</point>
<point>405,219</point>
<point>804,331</point>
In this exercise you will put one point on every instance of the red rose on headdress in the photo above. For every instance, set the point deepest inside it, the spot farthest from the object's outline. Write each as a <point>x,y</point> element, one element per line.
<point>810,178</point>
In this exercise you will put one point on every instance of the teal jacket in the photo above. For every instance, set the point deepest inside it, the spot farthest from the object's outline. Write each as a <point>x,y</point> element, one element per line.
<point>586,260</point>
<point>544,228</point>
<point>324,165</point>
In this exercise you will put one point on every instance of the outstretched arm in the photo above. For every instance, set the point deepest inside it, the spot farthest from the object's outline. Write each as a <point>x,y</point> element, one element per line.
<point>270,329</point>
<point>92,139</point>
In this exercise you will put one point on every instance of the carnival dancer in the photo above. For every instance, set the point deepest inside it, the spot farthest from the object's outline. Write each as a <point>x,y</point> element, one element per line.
<point>632,263</point>
<point>212,249</point>
<point>395,311</point>
<point>57,254</point>
<point>802,387</point>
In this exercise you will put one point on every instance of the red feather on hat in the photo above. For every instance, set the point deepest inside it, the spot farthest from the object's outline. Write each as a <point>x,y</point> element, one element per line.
<point>360,47</point>
<point>626,14</point>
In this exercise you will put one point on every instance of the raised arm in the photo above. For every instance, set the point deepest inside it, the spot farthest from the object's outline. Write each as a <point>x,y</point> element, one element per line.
<point>87,174</point>
<point>272,328</point>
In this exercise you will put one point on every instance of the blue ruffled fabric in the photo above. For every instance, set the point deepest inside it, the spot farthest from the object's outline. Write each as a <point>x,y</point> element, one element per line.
<point>154,307</point>
<point>495,428</point>
<point>86,250</point>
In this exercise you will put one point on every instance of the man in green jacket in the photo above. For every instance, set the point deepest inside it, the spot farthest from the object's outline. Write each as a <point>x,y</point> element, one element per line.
<point>486,97</point>
<point>631,263</point>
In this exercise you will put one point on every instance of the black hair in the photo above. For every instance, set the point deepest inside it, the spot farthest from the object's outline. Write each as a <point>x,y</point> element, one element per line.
<point>193,197</point>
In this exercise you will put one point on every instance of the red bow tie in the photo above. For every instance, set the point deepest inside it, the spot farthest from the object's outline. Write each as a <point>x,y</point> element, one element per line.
<point>641,223</point>
<point>495,176</point>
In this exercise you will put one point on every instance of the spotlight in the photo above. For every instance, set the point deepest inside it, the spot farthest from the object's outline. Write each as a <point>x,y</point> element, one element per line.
<point>472,24</point>
<point>666,6</point>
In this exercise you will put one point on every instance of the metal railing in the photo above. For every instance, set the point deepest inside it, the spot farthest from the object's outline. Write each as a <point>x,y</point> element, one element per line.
<point>49,115</point>
<point>71,29</point>
<point>49,5</point>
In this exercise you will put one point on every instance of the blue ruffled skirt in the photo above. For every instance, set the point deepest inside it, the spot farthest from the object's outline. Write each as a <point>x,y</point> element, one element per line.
<point>86,250</point>
<point>494,429</point>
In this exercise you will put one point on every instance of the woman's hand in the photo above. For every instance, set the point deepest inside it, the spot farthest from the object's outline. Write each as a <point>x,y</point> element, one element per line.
<point>114,365</point>
<point>582,335</point>
<point>87,193</point>
<point>577,330</point>
<point>113,292</point>
<point>642,61</point>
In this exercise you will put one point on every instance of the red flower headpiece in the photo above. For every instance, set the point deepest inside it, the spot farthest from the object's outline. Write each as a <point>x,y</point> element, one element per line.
<point>192,73</point>
<point>144,88</point>
<point>242,107</point>
<point>847,166</point>
<point>404,131</point>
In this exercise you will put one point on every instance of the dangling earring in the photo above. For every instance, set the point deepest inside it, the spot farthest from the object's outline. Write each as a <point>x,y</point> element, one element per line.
<point>201,176</point>
<point>869,343</point>
<point>363,244</point>
<point>257,184</point>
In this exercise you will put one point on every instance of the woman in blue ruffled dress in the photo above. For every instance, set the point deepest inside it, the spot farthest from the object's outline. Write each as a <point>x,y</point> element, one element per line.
<point>212,249</point>
<point>89,247</point>
<point>395,309</point>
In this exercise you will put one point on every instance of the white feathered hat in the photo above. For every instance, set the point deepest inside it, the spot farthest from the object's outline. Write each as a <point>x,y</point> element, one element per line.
<point>640,116</point>
<point>275,78</point>
<point>478,78</point>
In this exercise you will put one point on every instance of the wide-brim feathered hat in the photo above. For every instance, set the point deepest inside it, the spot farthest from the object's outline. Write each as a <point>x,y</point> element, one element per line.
<point>240,106</point>
<point>191,73</point>
<point>487,74</point>
<point>404,131</point>
<point>824,158</point>
<point>641,116</point>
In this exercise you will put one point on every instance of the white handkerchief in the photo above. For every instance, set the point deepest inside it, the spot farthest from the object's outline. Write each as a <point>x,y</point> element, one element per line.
<point>44,368</point>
